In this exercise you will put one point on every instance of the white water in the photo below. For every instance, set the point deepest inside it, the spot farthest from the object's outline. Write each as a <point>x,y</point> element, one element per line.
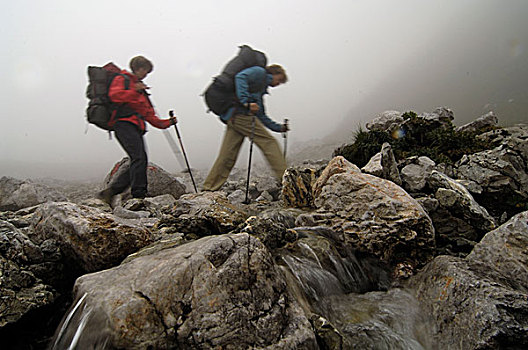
<point>334,287</point>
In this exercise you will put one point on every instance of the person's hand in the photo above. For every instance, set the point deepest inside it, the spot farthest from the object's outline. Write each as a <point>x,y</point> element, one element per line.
<point>254,107</point>
<point>173,120</point>
<point>140,86</point>
<point>285,127</point>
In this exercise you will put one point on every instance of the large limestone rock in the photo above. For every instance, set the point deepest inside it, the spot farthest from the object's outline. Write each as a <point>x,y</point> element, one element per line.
<point>473,306</point>
<point>505,249</point>
<point>16,194</point>
<point>480,302</point>
<point>89,239</point>
<point>159,181</point>
<point>375,215</point>
<point>219,292</point>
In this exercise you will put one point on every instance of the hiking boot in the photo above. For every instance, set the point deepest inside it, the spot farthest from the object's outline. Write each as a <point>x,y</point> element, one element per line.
<point>106,196</point>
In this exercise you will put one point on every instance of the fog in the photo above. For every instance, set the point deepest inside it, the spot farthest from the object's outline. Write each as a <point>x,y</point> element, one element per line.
<point>346,61</point>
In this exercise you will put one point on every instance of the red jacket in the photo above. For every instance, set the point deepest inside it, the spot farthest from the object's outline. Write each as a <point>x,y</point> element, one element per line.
<point>137,101</point>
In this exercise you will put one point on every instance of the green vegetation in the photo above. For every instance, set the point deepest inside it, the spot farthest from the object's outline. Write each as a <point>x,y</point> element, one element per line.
<point>416,137</point>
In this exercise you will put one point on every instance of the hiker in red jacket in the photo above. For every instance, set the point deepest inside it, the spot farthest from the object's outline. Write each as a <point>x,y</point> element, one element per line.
<point>129,126</point>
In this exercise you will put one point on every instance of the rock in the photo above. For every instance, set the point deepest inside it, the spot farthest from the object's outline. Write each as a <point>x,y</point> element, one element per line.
<point>501,172</point>
<point>414,175</point>
<point>283,216</point>
<point>16,194</point>
<point>460,203</point>
<point>483,123</point>
<point>384,165</point>
<point>265,197</point>
<point>386,121</point>
<point>337,165</point>
<point>375,215</point>
<point>89,239</point>
<point>442,116</point>
<point>297,185</point>
<point>272,234</point>
<point>202,214</point>
<point>237,197</point>
<point>472,305</point>
<point>130,214</point>
<point>394,122</point>
<point>217,292</point>
<point>159,181</point>
<point>21,292</point>
<point>328,337</point>
<point>269,185</point>
<point>504,249</point>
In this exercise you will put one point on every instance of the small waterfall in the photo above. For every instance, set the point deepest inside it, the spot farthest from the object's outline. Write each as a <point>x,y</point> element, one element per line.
<point>352,295</point>
<point>80,329</point>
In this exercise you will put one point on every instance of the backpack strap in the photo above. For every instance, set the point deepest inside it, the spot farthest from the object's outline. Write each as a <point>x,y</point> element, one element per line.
<point>127,81</point>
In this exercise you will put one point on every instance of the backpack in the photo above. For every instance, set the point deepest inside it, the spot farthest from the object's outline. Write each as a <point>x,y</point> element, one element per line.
<point>100,108</point>
<point>220,95</point>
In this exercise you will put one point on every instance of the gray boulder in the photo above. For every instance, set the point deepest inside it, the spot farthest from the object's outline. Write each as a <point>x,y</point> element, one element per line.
<point>216,292</point>
<point>386,121</point>
<point>501,173</point>
<point>16,194</point>
<point>505,249</point>
<point>375,215</point>
<point>414,175</point>
<point>458,218</point>
<point>159,181</point>
<point>484,122</point>
<point>480,302</point>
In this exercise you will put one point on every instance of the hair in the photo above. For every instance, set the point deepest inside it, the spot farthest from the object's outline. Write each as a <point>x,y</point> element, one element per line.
<point>276,69</point>
<point>140,62</point>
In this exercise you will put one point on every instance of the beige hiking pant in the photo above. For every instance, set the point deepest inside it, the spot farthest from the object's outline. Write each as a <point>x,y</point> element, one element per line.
<point>239,127</point>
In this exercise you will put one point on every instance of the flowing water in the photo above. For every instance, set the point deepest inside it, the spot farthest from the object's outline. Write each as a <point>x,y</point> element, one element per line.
<point>81,329</point>
<point>349,298</point>
<point>353,296</point>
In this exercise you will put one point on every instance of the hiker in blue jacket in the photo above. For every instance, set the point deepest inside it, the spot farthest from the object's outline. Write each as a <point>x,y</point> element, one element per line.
<point>251,84</point>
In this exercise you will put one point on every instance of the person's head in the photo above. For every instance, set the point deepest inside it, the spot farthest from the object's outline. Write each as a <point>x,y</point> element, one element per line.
<point>141,66</point>
<point>278,73</point>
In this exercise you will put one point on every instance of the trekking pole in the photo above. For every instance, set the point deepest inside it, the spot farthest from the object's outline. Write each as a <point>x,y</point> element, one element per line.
<point>247,201</point>
<point>285,137</point>
<point>171,114</point>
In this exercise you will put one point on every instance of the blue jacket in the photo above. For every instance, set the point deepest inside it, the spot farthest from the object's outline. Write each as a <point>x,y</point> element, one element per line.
<point>251,84</point>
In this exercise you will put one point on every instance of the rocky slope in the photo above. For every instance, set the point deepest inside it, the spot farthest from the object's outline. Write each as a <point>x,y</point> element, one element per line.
<point>401,254</point>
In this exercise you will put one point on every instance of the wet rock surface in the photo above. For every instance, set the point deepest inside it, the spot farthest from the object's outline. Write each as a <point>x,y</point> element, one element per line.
<point>188,295</point>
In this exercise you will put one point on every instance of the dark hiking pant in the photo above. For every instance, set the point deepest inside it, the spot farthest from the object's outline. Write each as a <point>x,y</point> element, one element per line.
<point>131,139</point>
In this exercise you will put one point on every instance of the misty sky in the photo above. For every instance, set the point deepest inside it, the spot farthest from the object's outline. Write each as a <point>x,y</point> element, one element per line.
<point>339,55</point>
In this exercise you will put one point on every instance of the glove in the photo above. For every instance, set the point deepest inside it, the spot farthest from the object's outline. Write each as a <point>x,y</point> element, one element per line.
<point>285,127</point>
<point>173,120</point>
